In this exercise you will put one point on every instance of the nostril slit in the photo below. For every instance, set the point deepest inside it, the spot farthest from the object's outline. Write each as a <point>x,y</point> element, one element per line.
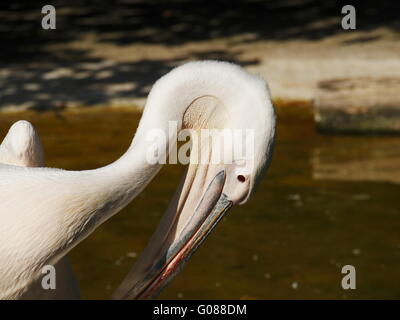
<point>241,178</point>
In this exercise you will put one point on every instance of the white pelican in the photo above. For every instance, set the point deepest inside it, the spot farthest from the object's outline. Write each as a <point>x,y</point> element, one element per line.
<point>45,212</point>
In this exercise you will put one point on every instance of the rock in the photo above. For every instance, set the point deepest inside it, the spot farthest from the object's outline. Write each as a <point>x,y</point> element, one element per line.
<point>363,105</point>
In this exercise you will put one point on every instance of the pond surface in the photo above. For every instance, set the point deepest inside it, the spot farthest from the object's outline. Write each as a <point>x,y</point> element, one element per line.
<point>327,201</point>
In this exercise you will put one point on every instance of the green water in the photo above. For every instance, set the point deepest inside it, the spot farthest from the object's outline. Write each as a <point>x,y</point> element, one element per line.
<point>327,201</point>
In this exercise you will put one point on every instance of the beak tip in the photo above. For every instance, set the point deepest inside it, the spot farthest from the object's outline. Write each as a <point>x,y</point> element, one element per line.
<point>221,176</point>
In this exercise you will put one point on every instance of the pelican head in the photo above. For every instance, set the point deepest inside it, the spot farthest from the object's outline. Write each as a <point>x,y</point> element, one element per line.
<point>236,105</point>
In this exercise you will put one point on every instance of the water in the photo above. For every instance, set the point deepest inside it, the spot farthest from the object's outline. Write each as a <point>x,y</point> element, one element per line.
<point>327,201</point>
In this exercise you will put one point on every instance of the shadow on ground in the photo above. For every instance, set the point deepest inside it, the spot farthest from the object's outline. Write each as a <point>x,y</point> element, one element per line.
<point>53,87</point>
<point>181,21</point>
<point>40,78</point>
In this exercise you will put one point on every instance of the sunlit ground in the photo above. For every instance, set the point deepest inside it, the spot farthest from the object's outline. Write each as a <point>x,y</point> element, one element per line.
<point>327,201</point>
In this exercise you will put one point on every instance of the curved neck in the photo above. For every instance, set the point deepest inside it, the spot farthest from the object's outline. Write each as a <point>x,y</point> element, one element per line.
<point>130,174</point>
<point>167,102</point>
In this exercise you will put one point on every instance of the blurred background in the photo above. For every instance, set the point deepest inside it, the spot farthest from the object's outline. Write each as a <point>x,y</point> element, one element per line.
<point>331,195</point>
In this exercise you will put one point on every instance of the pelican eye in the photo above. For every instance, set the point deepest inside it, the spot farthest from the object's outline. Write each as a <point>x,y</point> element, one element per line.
<point>241,178</point>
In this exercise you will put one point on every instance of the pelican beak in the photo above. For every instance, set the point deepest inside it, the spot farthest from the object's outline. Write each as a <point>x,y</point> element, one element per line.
<point>196,208</point>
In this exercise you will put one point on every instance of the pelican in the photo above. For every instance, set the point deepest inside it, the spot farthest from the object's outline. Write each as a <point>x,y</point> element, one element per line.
<point>46,212</point>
